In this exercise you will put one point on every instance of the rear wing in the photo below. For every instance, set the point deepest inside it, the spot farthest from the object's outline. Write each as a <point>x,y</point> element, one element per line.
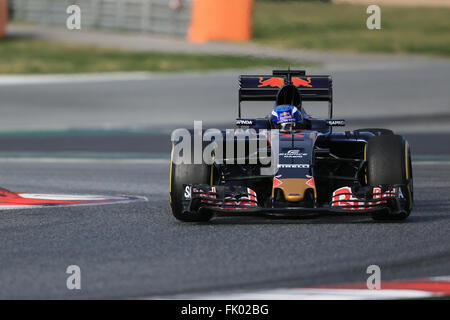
<point>266,87</point>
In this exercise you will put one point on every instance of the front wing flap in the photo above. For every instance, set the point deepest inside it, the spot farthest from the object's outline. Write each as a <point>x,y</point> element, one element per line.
<point>238,200</point>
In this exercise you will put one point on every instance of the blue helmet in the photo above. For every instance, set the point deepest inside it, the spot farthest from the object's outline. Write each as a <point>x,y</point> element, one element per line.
<point>284,116</point>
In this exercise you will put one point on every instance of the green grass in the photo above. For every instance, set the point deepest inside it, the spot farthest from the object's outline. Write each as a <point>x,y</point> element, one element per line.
<point>324,26</point>
<point>28,56</point>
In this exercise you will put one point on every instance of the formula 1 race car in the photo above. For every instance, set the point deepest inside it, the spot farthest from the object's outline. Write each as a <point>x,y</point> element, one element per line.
<point>299,168</point>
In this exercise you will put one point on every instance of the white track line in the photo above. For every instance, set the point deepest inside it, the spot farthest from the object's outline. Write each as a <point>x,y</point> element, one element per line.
<point>85,160</point>
<point>430,163</point>
<point>312,294</point>
<point>88,200</point>
<point>11,80</point>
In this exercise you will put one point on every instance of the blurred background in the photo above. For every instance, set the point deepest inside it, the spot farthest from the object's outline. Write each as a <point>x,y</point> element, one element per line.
<point>140,68</point>
<point>90,110</point>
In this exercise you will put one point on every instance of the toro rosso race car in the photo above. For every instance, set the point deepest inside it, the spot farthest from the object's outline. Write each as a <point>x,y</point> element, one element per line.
<point>312,170</point>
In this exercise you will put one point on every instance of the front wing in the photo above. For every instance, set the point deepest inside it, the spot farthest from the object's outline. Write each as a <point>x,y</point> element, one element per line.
<point>238,201</point>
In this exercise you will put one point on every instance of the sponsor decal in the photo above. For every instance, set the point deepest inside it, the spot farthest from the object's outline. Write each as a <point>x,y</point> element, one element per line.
<point>344,198</point>
<point>294,166</point>
<point>279,82</point>
<point>293,154</point>
<point>187,192</point>
<point>284,116</point>
<point>336,123</point>
<point>211,195</point>
<point>311,181</point>
<point>19,200</point>
<point>242,200</point>
<point>299,82</point>
<point>276,181</point>
<point>271,82</point>
<point>244,122</point>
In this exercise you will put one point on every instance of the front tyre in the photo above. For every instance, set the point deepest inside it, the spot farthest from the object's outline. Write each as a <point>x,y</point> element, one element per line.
<point>186,174</point>
<point>389,163</point>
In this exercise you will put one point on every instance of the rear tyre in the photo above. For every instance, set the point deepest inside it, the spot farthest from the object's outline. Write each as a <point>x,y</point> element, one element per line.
<point>388,163</point>
<point>187,174</point>
<point>377,131</point>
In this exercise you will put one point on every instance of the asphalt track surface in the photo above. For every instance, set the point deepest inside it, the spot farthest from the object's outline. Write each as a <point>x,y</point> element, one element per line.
<point>139,250</point>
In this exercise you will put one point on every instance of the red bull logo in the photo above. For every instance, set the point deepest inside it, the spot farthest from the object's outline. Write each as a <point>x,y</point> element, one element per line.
<point>276,82</point>
<point>271,82</point>
<point>298,82</point>
<point>285,116</point>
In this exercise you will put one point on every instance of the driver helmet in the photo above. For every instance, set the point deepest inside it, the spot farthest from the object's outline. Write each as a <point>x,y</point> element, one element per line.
<point>285,117</point>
